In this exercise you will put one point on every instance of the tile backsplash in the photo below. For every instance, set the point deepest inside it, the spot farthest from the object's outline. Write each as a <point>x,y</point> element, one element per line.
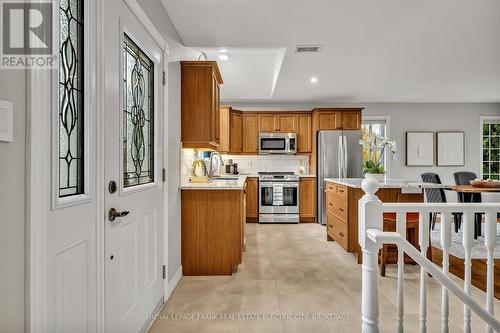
<point>252,164</point>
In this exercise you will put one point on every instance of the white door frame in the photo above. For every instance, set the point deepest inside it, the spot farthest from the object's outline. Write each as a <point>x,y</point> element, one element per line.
<point>38,155</point>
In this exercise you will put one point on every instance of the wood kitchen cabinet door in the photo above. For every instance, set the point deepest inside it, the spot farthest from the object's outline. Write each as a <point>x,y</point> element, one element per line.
<point>200,98</point>
<point>216,111</point>
<point>304,133</point>
<point>287,123</point>
<point>307,204</point>
<point>268,123</point>
<point>250,133</point>
<point>350,120</point>
<point>252,203</point>
<point>225,120</point>
<point>236,135</point>
<point>328,121</point>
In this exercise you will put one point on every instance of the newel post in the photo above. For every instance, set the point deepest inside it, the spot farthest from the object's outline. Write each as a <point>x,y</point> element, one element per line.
<point>370,217</point>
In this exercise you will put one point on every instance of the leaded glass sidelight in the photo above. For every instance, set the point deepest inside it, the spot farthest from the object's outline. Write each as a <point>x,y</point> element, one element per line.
<point>138,115</point>
<point>71,132</point>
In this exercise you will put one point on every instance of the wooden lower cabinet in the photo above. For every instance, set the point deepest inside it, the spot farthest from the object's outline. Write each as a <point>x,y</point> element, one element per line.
<point>212,231</point>
<point>252,202</point>
<point>307,199</point>
<point>337,229</point>
<point>342,211</point>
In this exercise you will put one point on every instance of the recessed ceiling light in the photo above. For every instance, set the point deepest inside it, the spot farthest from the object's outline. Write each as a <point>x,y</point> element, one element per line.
<point>223,57</point>
<point>314,79</point>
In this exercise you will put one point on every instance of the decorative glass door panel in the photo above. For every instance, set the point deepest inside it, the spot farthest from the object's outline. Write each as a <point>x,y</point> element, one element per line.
<point>71,106</point>
<point>138,116</point>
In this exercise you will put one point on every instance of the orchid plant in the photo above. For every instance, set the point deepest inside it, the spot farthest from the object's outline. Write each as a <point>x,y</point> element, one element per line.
<point>374,147</point>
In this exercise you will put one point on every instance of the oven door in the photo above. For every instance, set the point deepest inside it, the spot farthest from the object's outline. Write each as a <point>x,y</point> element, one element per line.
<point>278,197</point>
<point>273,145</point>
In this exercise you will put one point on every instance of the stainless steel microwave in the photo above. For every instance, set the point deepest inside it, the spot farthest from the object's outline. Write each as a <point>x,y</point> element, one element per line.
<point>277,143</point>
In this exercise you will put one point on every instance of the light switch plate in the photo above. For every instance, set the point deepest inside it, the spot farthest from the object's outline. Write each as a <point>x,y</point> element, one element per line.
<point>6,121</point>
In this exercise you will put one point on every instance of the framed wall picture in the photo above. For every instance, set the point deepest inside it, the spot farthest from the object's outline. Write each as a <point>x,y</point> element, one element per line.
<point>419,148</point>
<point>450,148</point>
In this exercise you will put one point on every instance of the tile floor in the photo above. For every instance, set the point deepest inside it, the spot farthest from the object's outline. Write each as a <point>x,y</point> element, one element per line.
<point>293,270</point>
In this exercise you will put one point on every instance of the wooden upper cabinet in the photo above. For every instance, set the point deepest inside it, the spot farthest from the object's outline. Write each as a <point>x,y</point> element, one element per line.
<point>268,123</point>
<point>304,133</point>
<point>350,120</point>
<point>277,123</point>
<point>236,132</point>
<point>287,123</point>
<point>200,99</point>
<point>230,130</point>
<point>224,130</point>
<point>337,118</point>
<point>327,121</point>
<point>250,133</point>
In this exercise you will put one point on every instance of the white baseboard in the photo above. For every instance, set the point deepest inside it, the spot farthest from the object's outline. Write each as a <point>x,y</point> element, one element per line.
<point>173,283</point>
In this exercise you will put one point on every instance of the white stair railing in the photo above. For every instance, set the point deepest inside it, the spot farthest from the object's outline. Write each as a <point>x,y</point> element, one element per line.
<point>372,238</point>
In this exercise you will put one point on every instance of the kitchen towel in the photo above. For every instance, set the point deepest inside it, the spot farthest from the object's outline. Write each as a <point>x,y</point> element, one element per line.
<point>277,195</point>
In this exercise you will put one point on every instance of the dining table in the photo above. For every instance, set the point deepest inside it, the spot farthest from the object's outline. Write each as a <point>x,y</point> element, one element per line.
<point>476,189</point>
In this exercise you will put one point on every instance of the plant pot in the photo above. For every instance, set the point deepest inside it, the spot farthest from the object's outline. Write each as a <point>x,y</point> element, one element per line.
<point>377,176</point>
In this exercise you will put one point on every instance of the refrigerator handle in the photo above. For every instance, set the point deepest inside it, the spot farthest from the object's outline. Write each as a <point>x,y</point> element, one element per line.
<point>340,158</point>
<point>345,156</point>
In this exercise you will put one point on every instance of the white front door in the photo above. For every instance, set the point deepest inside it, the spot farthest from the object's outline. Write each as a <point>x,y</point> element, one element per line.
<point>133,161</point>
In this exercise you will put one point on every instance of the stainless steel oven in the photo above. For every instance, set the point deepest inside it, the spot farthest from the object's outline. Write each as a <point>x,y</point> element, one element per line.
<point>278,197</point>
<point>277,143</point>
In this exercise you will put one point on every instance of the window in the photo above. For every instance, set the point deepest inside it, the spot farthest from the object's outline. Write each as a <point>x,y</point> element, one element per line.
<point>490,128</point>
<point>138,116</point>
<point>71,131</point>
<point>378,126</point>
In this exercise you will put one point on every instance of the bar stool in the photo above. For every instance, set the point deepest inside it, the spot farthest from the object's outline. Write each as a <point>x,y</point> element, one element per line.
<point>412,223</point>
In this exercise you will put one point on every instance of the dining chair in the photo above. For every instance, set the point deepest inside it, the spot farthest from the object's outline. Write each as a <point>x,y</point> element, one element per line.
<point>464,178</point>
<point>438,195</point>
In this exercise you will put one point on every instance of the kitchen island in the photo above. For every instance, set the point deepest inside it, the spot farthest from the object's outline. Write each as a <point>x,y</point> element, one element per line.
<point>341,205</point>
<point>213,226</point>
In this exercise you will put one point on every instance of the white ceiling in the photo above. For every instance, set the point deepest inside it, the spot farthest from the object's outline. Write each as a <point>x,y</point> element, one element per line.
<point>373,51</point>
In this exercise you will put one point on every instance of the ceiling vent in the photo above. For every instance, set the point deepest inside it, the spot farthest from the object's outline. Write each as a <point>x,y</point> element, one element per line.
<point>307,48</point>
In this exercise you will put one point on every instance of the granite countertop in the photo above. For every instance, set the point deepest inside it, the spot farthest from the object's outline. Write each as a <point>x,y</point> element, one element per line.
<point>237,184</point>
<point>388,183</point>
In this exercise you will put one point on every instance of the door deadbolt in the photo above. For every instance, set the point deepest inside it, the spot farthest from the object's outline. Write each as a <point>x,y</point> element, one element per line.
<point>113,214</point>
<point>112,186</point>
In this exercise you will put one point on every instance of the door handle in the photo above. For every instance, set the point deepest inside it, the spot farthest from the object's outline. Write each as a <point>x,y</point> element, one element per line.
<point>345,155</point>
<point>113,214</point>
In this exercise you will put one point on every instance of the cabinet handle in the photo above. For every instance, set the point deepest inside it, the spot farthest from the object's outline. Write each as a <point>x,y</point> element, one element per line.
<point>330,204</point>
<point>341,191</point>
<point>341,209</point>
<point>341,234</point>
<point>331,226</point>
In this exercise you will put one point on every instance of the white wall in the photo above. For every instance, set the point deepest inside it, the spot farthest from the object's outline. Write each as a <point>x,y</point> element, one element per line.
<point>12,207</point>
<point>177,52</point>
<point>416,116</point>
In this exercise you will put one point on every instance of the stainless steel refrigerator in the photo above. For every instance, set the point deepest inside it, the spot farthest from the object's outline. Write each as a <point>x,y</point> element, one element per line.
<point>339,156</point>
